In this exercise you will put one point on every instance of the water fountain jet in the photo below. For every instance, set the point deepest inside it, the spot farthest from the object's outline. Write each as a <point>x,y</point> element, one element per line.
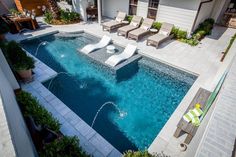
<point>122,114</point>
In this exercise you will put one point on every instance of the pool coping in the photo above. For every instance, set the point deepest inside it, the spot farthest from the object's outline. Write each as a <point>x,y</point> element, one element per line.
<point>71,124</point>
<point>163,137</point>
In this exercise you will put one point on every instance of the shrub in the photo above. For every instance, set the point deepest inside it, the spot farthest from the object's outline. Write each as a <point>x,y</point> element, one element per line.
<point>18,58</point>
<point>14,11</point>
<point>48,17</point>
<point>67,16</point>
<point>205,26</point>
<point>181,34</point>
<point>129,18</point>
<point>137,154</point>
<point>30,106</point>
<point>229,46</point>
<point>157,25</point>
<point>175,31</point>
<point>3,27</point>
<point>203,30</point>
<point>63,147</point>
<point>142,154</point>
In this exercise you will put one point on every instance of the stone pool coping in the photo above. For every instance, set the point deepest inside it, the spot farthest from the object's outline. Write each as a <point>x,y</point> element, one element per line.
<point>71,124</point>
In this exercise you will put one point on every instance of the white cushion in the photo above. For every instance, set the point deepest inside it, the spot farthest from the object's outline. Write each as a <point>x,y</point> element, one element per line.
<point>118,19</point>
<point>145,27</point>
<point>134,24</point>
<point>164,33</point>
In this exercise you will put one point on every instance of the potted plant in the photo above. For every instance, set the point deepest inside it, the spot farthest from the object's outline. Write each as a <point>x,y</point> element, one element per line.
<point>20,61</point>
<point>4,29</point>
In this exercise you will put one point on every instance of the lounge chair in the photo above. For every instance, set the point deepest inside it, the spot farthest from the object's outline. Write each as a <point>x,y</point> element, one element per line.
<point>184,124</point>
<point>127,53</point>
<point>134,24</point>
<point>113,24</point>
<point>142,30</point>
<point>163,35</point>
<point>91,47</point>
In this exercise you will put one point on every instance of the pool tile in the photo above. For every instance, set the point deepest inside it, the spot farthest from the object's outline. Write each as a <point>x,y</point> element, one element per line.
<point>98,154</point>
<point>101,144</point>
<point>64,111</point>
<point>88,147</point>
<point>115,153</point>
<point>85,129</point>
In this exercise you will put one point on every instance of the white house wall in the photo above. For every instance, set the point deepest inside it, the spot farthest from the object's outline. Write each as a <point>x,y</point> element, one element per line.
<point>18,130</point>
<point>110,7</point>
<point>142,8</point>
<point>181,13</point>
<point>8,3</point>
<point>204,13</point>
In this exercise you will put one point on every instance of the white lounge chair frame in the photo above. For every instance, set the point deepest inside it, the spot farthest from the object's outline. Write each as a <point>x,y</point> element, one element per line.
<point>92,47</point>
<point>128,52</point>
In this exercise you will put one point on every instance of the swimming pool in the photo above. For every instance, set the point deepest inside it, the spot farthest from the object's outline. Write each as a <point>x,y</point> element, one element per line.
<point>146,100</point>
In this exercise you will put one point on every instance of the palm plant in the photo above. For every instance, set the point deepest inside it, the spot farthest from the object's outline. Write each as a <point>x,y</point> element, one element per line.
<point>54,9</point>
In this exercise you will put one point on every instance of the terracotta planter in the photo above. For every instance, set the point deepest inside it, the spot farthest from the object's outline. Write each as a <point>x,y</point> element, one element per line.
<point>2,37</point>
<point>26,75</point>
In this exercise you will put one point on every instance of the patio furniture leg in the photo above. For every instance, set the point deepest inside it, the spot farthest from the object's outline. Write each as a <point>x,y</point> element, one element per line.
<point>188,139</point>
<point>157,45</point>
<point>177,132</point>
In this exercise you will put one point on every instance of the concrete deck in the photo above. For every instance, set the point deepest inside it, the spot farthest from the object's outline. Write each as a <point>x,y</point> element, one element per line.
<point>220,135</point>
<point>202,60</point>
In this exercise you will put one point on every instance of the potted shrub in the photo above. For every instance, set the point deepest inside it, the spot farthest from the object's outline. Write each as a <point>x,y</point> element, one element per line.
<point>3,29</point>
<point>20,61</point>
<point>24,67</point>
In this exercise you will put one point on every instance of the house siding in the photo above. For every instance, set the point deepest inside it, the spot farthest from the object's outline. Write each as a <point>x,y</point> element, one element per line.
<point>181,13</point>
<point>110,7</point>
<point>204,13</point>
<point>142,8</point>
<point>8,3</point>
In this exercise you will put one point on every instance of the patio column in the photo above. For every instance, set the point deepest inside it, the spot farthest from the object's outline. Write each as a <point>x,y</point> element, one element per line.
<point>99,11</point>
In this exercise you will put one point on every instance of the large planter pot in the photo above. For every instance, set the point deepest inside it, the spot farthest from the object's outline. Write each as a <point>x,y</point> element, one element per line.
<point>2,37</point>
<point>26,75</point>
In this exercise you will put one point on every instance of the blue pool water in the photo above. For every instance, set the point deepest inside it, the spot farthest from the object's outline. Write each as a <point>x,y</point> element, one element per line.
<point>148,98</point>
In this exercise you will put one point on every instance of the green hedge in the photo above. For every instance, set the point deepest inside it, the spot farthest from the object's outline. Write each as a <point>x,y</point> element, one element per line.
<point>17,57</point>
<point>68,16</point>
<point>203,30</point>
<point>3,27</point>
<point>129,18</point>
<point>64,147</point>
<point>30,106</point>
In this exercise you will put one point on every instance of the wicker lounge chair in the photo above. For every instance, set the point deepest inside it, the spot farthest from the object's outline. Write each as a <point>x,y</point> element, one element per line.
<point>183,126</point>
<point>113,24</point>
<point>134,24</point>
<point>163,35</point>
<point>142,30</point>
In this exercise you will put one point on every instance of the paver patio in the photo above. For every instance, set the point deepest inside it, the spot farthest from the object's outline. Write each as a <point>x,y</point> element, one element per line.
<point>202,60</point>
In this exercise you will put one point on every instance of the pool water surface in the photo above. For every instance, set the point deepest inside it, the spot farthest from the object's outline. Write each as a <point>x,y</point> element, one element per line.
<point>146,100</point>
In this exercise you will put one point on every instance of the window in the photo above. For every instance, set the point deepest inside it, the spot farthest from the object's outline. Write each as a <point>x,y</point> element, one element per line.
<point>152,9</point>
<point>133,7</point>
